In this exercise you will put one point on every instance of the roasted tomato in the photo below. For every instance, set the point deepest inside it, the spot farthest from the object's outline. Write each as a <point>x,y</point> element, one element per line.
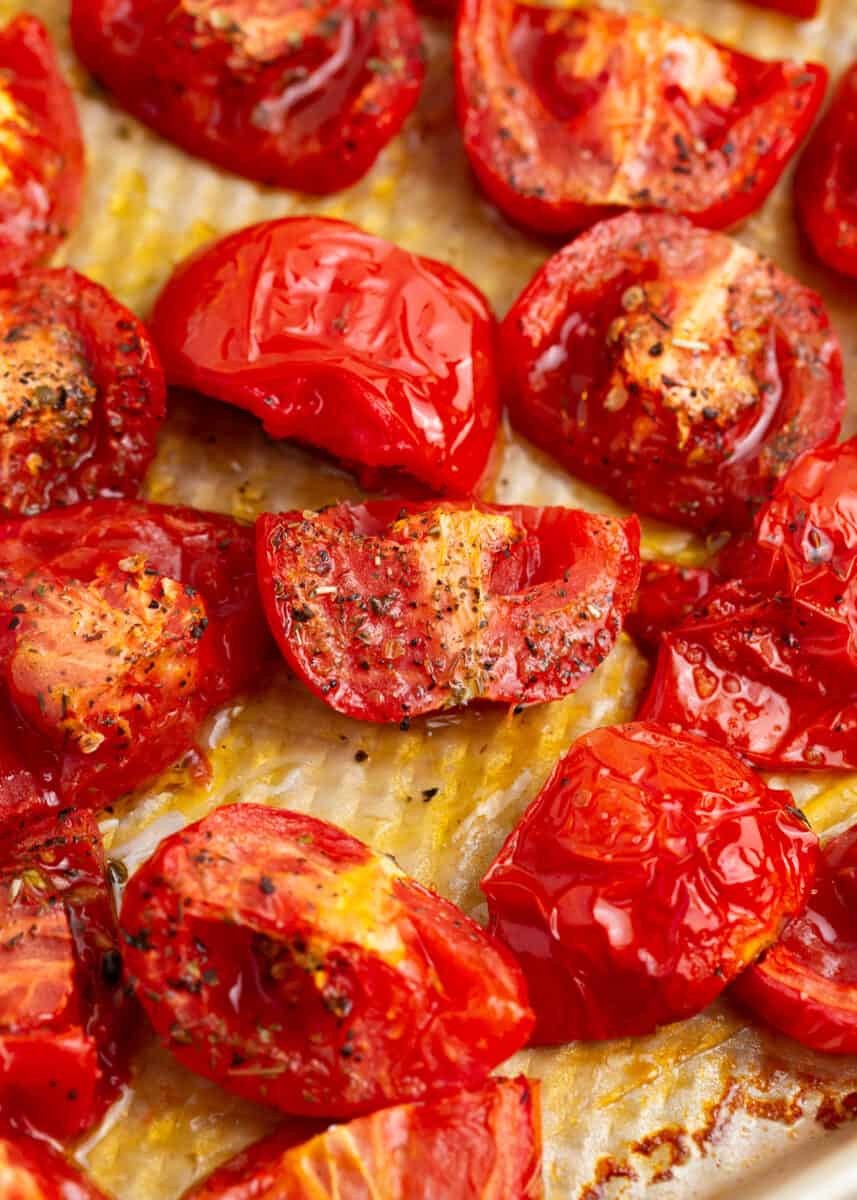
<point>768,665</point>
<point>481,1145</point>
<point>569,116</point>
<point>803,9</point>
<point>649,871</point>
<point>284,959</point>
<point>297,94</point>
<point>806,985</point>
<point>31,1169</point>
<point>674,367</point>
<point>41,148</point>
<point>667,595</point>
<point>22,796</point>
<point>82,394</point>
<point>122,625</point>
<point>826,181</point>
<point>63,1006</point>
<point>342,341</point>
<point>388,610</point>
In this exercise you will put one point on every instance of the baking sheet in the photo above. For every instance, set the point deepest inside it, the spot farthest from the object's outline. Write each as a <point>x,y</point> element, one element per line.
<point>710,1107</point>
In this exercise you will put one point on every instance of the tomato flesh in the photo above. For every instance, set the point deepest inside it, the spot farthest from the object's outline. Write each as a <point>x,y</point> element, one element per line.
<point>826,181</point>
<point>674,367</point>
<point>281,957</point>
<point>649,871</point>
<point>299,95</point>
<point>30,1169</point>
<point>569,116</point>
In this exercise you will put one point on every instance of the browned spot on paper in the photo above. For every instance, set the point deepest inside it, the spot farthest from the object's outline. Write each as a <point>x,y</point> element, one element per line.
<point>606,1170</point>
<point>667,1149</point>
<point>837,1110</point>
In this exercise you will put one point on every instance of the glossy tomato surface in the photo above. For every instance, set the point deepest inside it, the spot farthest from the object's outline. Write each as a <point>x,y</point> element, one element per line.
<point>569,116</point>
<point>41,148</point>
<point>31,1169</point>
<point>388,610</point>
<point>649,871</point>
<point>83,394</point>
<point>667,595</point>
<point>768,665</point>
<point>826,181</point>
<point>64,1016</point>
<point>300,95</point>
<point>284,959</point>
<point>342,341</point>
<point>122,625</point>
<point>806,985</point>
<point>674,367</point>
<point>477,1145</point>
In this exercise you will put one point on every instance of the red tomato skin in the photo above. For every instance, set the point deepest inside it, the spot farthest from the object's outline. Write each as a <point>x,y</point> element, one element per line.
<point>33,1170</point>
<point>596,374</point>
<point>825,181</point>
<point>802,9</point>
<point>421,401</point>
<point>89,394</point>
<point>479,1145</point>
<point>64,1012</point>
<point>542,138</point>
<point>87,550</point>
<point>667,595</point>
<point>296,96</point>
<point>45,157</point>
<point>651,868</point>
<point>806,984</point>
<point>392,993</point>
<point>436,604</point>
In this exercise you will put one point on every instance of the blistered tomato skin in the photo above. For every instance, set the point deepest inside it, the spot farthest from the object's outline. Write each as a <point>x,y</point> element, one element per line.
<point>356,987</point>
<point>649,871</point>
<point>673,367</point>
<point>298,95</point>
<point>667,595</point>
<point>122,625</point>
<point>64,1011</point>
<point>826,181</point>
<point>389,610</point>
<point>41,148</point>
<point>31,1169</point>
<point>479,1145</point>
<point>341,341</point>
<point>569,116</point>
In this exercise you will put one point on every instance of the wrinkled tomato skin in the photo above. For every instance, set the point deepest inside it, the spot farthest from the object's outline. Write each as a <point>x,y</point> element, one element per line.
<point>358,988</point>
<point>391,609</point>
<point>667,595</point>
<point>673,367</point>
<point>806,984</point>
<point>42,149</point>
<point>768,665</point>
<point>649,871</point>
<point>826,181</point>
<point>83,396</point>
<point>296,95</point>
<point>31,1169</point>
<point>350,344</point>
<point>93,719</point>
<point>570,116</point>
<point>479,1145</point>
<point>64,1010</point>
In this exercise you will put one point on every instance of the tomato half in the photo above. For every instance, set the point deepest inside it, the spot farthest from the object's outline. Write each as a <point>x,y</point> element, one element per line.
<point>31,1169</point>
<point>826,181</point>
<point>674,367</point>
<point>667,595</point>
<point>122,625</point>
<point>300,95</point>
<point>806,985</point>
<point>569,116</point>
<point>83,396</point>
<point>481,1145</point>
<point>388,610</point>
<point>648,872</point>
<point>342,341</point>
<point>63,1007</point>
<point>41,148</point>
<point>768,665</point>
<point>284,959</point>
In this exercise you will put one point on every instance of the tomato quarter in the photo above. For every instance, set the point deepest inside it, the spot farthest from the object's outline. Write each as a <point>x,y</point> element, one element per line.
<point>31,1169</point>
<point>388,610</point>
<point>342,341</point>
<point>571,115</point>
<point>826,181</point>
<point>649,871</point>
<point>674,367</point>
<point>284,959</point>
<point>300,95</point>
<point>483,1145</point>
